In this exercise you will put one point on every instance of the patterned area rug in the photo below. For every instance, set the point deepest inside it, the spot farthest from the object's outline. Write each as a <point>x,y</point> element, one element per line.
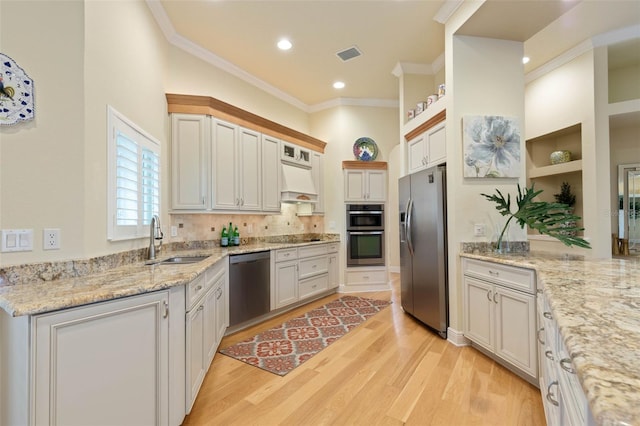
<point>284,347</point>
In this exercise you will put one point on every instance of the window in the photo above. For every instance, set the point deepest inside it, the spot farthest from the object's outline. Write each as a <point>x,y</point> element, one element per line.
<point>134,178</point>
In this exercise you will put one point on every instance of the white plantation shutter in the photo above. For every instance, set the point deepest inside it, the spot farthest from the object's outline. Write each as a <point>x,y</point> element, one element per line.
<point>134,179</point>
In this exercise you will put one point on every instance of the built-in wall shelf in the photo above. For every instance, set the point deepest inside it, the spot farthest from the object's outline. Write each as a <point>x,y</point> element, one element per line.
<point>556,169</point>
<point>366,165</point>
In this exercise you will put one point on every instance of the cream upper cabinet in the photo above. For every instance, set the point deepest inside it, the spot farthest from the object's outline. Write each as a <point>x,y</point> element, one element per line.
<point>270,174</point>
<point>189,142</point>
<point>295,154</point>
<point>237,165</point>
<point>428,149</point>
<point>317,172</point>
<point>365,185</point>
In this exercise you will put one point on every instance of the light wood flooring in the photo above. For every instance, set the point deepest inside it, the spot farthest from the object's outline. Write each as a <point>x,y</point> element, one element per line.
<point>390,370</point>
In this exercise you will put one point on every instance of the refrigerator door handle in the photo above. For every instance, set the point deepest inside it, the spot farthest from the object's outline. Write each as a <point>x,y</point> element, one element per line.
<point>408,225</point>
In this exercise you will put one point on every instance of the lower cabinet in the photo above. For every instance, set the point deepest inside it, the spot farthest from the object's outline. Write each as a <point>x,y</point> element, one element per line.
<point>563,399</point>
<point>303,272</point>
<point>500,312</point>
<point>206,322</point>
<point>106,362</point>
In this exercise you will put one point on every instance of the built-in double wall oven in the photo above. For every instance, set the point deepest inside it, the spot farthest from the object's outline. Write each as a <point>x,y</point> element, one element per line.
<point>365,234</point>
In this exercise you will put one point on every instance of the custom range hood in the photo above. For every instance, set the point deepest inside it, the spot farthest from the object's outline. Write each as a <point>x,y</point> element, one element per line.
<point>297,185</point>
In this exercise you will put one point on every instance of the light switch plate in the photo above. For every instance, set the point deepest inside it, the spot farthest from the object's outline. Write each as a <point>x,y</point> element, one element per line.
<point>16,240</point>
<point>479,230</point>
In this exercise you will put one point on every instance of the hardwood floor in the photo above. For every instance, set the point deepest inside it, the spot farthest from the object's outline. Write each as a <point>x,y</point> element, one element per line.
<point>390,370</point>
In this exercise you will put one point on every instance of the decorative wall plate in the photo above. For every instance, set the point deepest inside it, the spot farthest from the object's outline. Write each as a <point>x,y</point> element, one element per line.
<point>365,149</point>
<point>16,93</point>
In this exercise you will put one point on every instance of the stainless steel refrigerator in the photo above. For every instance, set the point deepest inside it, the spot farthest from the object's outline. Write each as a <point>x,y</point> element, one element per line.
<point>423,247</point>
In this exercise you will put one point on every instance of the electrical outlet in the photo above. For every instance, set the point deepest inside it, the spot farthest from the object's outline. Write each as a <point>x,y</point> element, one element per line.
<point>51,239</point>
<point>478,230</point>
<point>174,231</point>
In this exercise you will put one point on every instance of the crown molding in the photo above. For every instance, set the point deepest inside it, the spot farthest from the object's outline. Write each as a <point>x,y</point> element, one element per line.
<point>446,10</point>
<point>605,39</point>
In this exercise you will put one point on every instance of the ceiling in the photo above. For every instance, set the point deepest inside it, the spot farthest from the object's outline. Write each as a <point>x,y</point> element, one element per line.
<point>242,35</point>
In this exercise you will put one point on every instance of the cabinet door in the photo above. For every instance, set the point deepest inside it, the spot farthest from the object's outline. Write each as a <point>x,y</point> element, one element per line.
<point>106,362</point>
<point>222,321</point>
<point>376,185</point>
<point>416,150</point>
<point>317,171</point>
<point>249,167</point>
<point>270,174</point>
<point>354,185</point>
<point>479,308</point>
<point>210,334</point>
<point>223,160</point>
<point>515,328</point>
<point>196,354</point>
<point>189,141</point>
<point>334,271</point>
<point>437,145</point>
<point>286,286</point>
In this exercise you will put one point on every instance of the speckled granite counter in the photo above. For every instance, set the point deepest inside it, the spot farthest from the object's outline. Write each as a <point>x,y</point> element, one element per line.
<point>129,280</point>
<point>596,304</point>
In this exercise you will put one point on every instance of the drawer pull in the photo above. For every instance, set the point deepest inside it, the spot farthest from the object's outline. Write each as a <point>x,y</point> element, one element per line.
<point>549,355</point>
<point>201,307</point>
<point>494,273</point>
<point>565,363</point>
<point>547,315</point>
<point>550,396</point>
<point>365,277</point>
<point>198,288</point>
<point>539,339</point>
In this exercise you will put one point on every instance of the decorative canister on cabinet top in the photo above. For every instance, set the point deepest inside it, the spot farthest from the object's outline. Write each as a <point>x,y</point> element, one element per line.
<point>562,156</point>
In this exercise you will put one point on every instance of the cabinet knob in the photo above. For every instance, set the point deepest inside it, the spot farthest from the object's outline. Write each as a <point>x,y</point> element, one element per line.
<point>489,295</point>
<point>547,315</point>
<point>549,355</point>
<point>494,297</point>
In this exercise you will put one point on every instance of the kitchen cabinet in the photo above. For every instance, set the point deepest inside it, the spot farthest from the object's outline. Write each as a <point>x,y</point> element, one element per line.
<point>294,154</point>
<point>334,266</point>
<point>189,168</point>
<point>428,149</point>
<point>300,273</point>
<point>237,167</point>
<point>270,174</point>
<point>365,185</point>
<point>563,399</point>
<point>206,321</point>
<point>317,173</point>
<point>88,360</point>
<point>500,312</point>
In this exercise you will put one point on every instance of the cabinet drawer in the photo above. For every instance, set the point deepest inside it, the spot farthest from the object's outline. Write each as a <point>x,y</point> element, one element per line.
<point>314,285</point>
<point>366,277</point>
<point>195,289</point>
<point>509,276</point>
<point>333,247</point>
<point>313,266</point>
<point>309,251</point>
<point>286,254</point>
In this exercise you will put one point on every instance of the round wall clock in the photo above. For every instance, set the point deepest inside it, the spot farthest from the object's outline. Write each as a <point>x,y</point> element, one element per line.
<point>16,93</point>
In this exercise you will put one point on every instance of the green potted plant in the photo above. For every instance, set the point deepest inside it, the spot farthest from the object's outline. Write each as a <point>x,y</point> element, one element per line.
<point>546,218</point>
<point>565,196</point>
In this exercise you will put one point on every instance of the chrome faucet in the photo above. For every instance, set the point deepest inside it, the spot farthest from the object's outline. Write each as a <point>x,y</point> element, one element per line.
<point>155,233</point>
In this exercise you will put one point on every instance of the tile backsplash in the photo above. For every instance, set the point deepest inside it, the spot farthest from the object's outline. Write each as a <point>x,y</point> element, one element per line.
<point>201,227</point>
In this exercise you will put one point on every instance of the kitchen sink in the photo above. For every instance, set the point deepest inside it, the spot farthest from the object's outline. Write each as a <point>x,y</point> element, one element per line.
<point>179,260</point>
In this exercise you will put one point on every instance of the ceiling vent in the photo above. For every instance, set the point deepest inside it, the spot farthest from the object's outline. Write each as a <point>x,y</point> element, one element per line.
<point>350,53</point>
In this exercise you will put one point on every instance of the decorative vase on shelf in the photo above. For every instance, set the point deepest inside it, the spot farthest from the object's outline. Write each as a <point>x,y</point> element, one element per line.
<point>558,157</point>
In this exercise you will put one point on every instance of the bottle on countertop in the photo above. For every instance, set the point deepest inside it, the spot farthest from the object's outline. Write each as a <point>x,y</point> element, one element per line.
<point>224,238</point>
<point>236,236</point>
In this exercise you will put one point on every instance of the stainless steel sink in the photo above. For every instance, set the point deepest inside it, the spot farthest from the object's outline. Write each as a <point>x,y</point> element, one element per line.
<point>179,260</point>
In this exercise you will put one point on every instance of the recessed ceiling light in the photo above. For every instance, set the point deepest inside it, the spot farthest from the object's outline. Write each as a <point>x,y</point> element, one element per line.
<point>284,44</point>
<point>338,85</point>
<point>525,59</point>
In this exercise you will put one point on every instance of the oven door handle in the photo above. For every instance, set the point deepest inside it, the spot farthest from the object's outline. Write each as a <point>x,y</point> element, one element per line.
<point>366,233</point>
<point>408,226</point>
<point>365,212</point>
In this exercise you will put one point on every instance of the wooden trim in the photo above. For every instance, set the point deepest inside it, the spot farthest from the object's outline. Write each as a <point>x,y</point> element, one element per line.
<point>192,104</point>
<point>438,118</point>
<point>368,165</point>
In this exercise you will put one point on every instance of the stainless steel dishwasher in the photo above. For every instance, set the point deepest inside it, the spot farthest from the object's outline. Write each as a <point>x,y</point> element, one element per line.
<point>249,286</point>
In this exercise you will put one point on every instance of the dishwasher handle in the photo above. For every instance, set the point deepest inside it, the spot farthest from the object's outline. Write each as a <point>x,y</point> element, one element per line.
<point>249,257</point>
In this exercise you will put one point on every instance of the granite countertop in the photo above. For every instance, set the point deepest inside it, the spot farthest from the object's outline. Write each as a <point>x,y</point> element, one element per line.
<point>135,278</point>
<point>596,304</point>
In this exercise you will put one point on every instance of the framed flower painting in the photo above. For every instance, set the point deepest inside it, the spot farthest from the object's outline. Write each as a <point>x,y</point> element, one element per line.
<point>491,146</point>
